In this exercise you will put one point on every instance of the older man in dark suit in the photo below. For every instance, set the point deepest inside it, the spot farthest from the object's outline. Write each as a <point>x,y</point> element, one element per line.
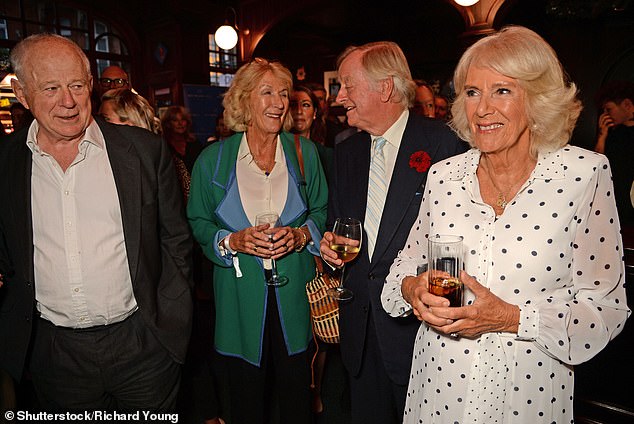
<point>94,247</point>
<point>379,176</point>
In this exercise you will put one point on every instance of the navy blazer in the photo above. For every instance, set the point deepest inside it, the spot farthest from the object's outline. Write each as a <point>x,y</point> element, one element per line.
<point>157,239</point>
<point>348,198</point>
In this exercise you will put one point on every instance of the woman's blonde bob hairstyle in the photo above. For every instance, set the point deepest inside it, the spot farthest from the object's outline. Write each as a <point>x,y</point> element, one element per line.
<point>237,99</point>
<point>132,109</point>
<point>384,59</point>
<point>551,103</point>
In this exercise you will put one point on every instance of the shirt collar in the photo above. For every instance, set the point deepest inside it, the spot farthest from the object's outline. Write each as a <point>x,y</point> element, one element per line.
<point>394,134</point>
<point>244,153</point>
<point>92,135</point>
<point>550,165</point>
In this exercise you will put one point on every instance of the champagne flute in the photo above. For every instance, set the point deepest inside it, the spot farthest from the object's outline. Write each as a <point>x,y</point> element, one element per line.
<point>270,268</point>
<point>347,243</point>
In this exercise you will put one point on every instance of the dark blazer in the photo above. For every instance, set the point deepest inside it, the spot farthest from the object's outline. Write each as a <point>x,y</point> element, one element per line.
<point>157,239</point>
<point>348,197</point>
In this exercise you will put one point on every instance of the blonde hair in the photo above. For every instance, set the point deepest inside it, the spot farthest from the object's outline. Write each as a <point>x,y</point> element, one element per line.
<point>236,101</point>
<point>551,103</point>
<point>383,59</point>
<point>132,108</point>
<point>169,115</point>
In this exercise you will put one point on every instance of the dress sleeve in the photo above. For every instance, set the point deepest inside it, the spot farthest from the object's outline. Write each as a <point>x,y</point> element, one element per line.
<point>574,331</point>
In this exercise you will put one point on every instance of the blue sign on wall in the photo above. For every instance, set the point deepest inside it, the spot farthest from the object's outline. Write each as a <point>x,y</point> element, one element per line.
<point>205,104</point>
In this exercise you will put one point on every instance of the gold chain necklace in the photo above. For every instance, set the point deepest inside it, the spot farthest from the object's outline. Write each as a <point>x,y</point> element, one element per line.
<point>267,168</point>
<point>502,201</point>
<point>265,165</point>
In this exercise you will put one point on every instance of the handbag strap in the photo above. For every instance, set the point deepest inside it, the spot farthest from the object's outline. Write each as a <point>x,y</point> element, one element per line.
<point>300,156</point>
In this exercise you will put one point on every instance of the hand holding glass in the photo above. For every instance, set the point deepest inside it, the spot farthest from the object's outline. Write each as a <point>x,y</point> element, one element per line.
<point>270,267</point>
<point>445,264</point>
<point>347,234</point>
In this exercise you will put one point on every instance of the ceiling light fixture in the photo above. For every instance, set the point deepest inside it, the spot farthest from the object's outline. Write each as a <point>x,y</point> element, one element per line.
<point>226,35</point>
<point>466,2</point>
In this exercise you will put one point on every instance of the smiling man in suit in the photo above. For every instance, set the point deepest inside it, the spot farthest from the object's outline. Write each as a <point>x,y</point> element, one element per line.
<point>379,175</point>
<point>95,249</point>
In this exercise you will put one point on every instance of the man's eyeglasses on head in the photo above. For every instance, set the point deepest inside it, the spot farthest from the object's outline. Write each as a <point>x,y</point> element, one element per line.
<point>117,82</point>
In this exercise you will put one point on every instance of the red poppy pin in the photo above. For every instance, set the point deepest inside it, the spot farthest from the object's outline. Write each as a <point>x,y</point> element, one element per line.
<point>420,161</point>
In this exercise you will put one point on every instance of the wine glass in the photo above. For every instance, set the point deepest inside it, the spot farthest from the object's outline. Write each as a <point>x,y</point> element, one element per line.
<point>347,243</point>
<point>270,268</point>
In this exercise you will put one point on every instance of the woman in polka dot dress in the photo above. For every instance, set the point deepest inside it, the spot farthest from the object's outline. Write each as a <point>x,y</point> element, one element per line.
<point>544,275</point>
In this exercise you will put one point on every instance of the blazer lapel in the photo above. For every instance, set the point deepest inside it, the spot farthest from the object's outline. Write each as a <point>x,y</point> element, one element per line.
<point>126,169</point>
<point>406,182</point>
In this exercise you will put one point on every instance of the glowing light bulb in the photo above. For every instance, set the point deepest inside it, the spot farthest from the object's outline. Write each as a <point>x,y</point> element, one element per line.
<point>226,37</point>
<point>466,2</point>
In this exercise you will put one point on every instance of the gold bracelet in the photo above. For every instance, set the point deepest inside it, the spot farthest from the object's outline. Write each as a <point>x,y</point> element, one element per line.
<point>304,241</point>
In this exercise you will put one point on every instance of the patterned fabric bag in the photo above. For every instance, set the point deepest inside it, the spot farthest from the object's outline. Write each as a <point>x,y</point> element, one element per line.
<point>324,310</point>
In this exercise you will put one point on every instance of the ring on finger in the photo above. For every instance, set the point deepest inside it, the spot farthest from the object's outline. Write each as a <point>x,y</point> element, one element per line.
<point>255,248</point>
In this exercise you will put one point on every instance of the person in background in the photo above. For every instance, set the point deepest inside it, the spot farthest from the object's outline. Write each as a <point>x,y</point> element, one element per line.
<point>308,123</point>
<point>262,332</point>
<point>397,147</point>
<point>441,107</point>
<point>332,123</point>
<point>616,140</point>
<point>21,117</point>
<point>222,131</point>
<point>177,124</point>
<point>113,77</point>
<point>95,251</point>
<point>424,100</point>
<point>543,274</point>
<point>124,107</point>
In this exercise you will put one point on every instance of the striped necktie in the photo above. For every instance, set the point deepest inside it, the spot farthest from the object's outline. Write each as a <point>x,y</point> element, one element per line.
<point>377,191</point>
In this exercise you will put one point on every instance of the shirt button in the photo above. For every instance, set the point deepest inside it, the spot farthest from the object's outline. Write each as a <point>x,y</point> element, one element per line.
<point>67,192</point>
<point>76,289</point>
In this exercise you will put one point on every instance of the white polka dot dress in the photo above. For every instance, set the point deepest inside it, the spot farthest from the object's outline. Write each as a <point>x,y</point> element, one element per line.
<point>555,252</point>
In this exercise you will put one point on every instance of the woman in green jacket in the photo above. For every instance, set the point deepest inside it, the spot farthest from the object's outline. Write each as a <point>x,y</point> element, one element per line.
<point>262,331</point>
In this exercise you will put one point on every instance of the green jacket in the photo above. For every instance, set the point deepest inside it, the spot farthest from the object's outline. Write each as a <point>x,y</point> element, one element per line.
<point>215,210</point>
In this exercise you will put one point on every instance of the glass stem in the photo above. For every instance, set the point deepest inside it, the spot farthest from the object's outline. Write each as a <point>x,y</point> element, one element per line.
<point>343,268</point>
<point>273,269</point>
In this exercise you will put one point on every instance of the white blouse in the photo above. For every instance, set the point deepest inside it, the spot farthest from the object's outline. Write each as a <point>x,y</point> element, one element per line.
<point>555,252</point>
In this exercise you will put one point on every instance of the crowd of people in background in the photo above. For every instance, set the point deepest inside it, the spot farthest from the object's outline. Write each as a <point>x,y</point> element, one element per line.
<point>129,234</point>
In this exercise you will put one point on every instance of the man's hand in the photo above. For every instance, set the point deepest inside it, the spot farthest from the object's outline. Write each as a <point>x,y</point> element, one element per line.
<point>327,254</point>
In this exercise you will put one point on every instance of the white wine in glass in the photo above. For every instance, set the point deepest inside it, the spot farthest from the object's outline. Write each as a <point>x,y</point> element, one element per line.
<point>270,268</point>
<point>348,234</point>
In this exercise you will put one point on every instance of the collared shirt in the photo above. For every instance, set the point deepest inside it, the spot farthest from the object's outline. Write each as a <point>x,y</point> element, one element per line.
<point>393,137</point>
<point>260,192</point>
<point>82,277</point>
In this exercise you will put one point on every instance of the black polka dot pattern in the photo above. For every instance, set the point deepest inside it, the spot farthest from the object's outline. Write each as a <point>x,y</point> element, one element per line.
<point>555,252</point>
